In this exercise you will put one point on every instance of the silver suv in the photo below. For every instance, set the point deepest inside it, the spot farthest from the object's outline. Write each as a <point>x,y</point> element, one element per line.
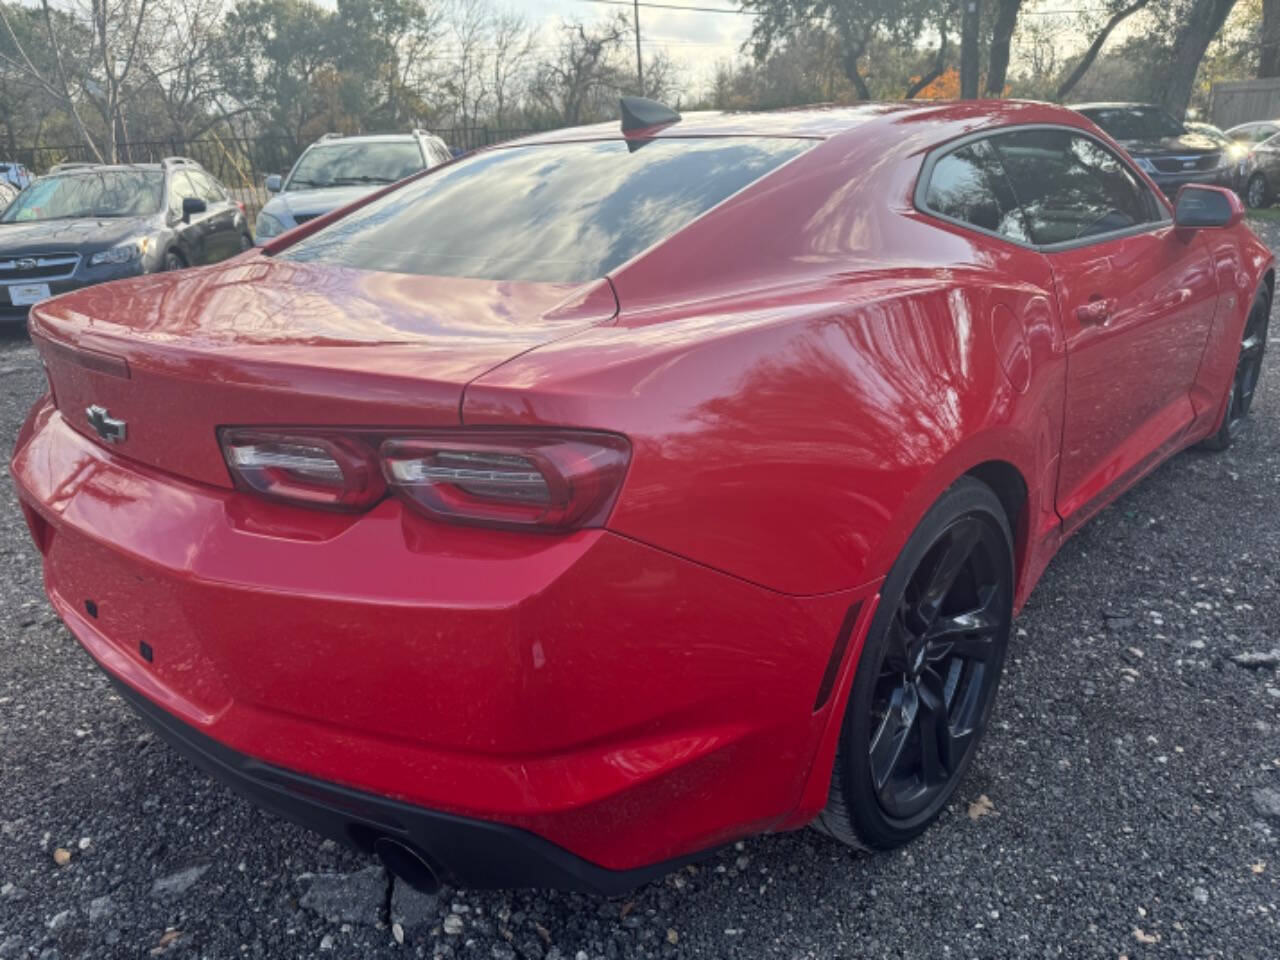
<point>337,170</point>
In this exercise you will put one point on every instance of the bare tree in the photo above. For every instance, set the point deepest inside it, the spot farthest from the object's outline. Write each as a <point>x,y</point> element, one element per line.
<point>581,68</point>
<point>117,28</point>
<point>467,77</point>
<point>67,38</point>
<point>180,62</point>
<point>1117,17</point>
<point>513,49</point>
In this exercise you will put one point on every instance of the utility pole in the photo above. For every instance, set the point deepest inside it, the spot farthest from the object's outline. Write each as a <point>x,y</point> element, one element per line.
<point>970,19</point>
<point>639,57</point>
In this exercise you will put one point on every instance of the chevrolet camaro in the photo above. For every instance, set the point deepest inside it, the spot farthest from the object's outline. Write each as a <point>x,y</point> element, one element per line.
<point>597,499</point>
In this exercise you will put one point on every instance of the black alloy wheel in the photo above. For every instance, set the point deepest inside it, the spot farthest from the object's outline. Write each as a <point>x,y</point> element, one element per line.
<point>928,673</point>
<point>1253,347</point>
<point>173,261</point>
<point>1256,193</point>
<point>938,669</point>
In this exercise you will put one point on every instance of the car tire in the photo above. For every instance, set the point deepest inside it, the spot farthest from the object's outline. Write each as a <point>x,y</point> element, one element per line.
<point>873,801</point>
<point>246,242</point>
<point>174,261</point>
<point>1257,193</point>
<point>1244,383</point>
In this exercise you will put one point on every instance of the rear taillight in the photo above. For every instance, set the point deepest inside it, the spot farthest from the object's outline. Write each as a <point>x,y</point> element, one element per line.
<point>535,479</point>
<point>556,481</point>
<point>322,471</point>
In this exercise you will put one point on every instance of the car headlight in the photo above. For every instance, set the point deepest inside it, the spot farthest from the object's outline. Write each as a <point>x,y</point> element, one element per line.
<point>267,226</point>
<point>1145,165</point>
<point>124,253</point>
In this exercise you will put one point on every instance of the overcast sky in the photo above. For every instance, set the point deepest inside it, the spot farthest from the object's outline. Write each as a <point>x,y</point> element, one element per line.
<point>695,41</point>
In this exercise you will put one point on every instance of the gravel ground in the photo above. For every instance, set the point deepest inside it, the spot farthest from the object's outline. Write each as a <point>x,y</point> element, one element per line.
<point>1126,802</point>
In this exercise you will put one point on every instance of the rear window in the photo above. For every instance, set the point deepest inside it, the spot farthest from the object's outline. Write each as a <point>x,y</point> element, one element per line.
<point>559,213</point>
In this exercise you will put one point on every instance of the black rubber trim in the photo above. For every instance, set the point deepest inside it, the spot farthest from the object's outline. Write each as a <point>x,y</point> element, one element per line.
<point>837,657</point>
<point>464,852</point>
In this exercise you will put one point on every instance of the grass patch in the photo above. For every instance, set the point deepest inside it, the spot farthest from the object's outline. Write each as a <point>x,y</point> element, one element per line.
<point>1267,213</point>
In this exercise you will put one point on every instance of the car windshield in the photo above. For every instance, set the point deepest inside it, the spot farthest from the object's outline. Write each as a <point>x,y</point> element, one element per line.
<point>1135,123</point>
<point>558,213</point>
<point>89,194</point>
<point>348,164</point>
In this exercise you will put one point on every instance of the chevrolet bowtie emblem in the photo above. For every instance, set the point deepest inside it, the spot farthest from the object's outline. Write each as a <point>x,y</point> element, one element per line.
<point>108,428</point>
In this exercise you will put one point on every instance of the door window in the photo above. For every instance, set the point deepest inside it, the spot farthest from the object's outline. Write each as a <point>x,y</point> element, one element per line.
<point>1070,187</point>
<point>206,187</point>
<point>179,188</point>
<point>968,185</point>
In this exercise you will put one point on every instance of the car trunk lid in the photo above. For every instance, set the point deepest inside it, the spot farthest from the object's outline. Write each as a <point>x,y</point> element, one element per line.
<point>260,342</point>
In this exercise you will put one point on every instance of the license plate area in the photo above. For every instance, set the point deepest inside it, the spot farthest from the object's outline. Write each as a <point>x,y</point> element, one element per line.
<point>27,294</point>
<point>138,612</point>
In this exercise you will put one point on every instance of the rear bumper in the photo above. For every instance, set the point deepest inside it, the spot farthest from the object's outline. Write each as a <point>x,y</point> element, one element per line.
<point>621,706</point>
<point>461,851</point>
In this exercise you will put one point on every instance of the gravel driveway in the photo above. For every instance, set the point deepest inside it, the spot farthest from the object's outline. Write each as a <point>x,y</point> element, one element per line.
<point>1126,802</point>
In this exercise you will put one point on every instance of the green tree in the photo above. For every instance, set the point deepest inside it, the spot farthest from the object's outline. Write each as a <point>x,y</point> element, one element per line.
<point>277,54</point>
<point>855,24</point>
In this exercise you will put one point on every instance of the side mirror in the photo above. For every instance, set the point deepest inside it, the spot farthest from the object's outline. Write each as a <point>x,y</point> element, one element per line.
<point>1197,207</point>
<point>191,206</point>
<point>274,183</point>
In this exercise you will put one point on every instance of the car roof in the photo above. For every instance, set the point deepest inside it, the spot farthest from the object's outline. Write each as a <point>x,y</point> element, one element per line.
<point>943,119</point>
<point>368,138</point>
<point>95,167</point>
<point>1114,105</point>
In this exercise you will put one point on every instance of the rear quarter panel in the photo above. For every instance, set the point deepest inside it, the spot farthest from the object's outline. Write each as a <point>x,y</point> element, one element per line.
<point>805,370</point>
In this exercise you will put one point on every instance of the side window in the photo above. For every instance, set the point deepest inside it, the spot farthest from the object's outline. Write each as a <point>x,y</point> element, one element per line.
<point>1071,187</point>
<point>206,187</point>
<point>179,188</point>
<point>968,185</point>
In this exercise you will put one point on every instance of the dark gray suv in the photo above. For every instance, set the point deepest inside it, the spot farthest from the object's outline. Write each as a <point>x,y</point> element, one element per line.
<point>88,224</point>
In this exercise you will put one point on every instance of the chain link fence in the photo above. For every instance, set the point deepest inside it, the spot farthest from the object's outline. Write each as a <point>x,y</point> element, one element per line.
<point>242,164</point>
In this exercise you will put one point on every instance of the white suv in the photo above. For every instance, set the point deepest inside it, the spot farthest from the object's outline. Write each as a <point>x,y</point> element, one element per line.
<point>337,170</point>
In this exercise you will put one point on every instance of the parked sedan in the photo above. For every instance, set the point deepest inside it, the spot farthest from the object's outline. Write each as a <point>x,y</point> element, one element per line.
<point>1254,132</point>
<point>89,224</point>
<point>338,170</point>
<point>598,499</point>
<point>1263,178</point>
<point>7,192</point>
<point>1162,147</point>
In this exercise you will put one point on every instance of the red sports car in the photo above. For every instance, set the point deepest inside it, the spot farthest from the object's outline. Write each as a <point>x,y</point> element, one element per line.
<point>600,498</point>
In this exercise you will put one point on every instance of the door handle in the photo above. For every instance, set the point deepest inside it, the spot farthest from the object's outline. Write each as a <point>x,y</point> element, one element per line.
<point>1096,311</point>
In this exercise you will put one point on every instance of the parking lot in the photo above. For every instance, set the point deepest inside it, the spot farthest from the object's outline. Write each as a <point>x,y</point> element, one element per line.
<point>1126,802</point>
